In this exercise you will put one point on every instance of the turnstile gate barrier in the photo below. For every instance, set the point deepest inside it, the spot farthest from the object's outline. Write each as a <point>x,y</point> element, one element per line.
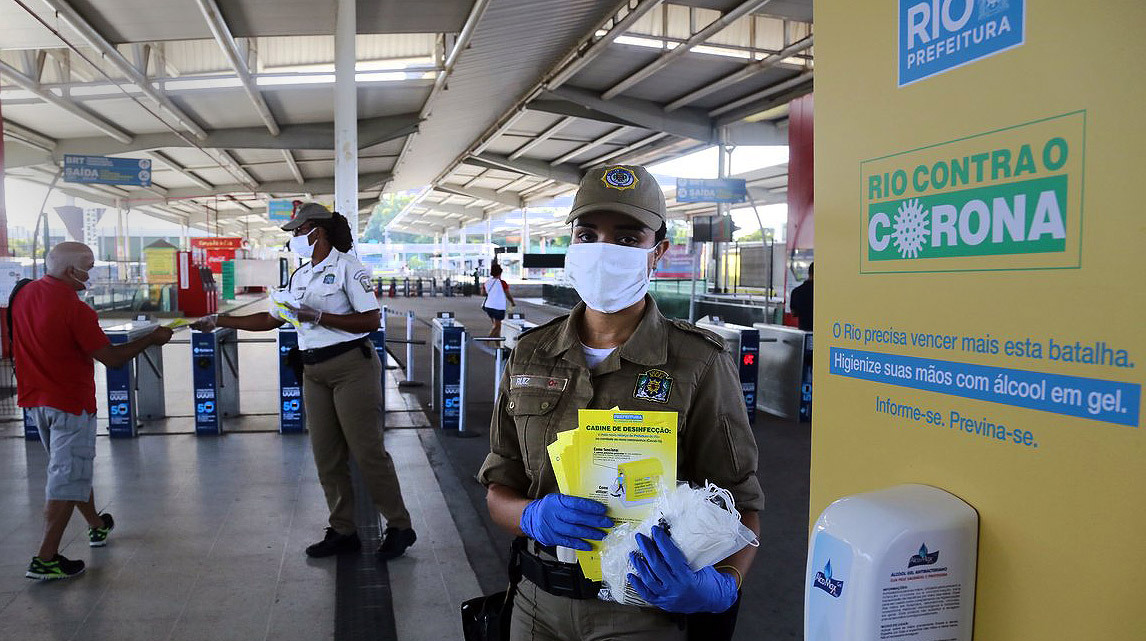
<point>513,327</point>
<point>292,414</point>
<point>134,389</point>
<point>744,345</point>
<point>215,377</point>
<point>449,365</point>
<point>785,372</point>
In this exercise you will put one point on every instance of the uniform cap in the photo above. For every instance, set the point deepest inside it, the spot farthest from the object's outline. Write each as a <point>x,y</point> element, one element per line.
<point>308,213</point>
<point>626,189</point>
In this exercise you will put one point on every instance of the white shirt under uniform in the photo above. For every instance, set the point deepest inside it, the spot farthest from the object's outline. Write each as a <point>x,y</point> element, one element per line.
<point>337,285</point>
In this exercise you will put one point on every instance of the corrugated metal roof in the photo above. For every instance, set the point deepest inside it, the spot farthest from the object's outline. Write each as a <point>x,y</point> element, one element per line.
<point>514,44</point>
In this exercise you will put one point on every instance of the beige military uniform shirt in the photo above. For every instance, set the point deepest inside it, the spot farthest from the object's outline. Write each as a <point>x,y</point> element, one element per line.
<point>665,365</point>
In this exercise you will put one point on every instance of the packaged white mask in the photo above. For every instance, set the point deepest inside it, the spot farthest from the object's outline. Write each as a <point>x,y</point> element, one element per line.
<point>608,277</point>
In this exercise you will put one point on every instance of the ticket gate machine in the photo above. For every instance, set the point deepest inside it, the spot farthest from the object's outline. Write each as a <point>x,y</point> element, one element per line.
<point>448,341</point>
<point>512,327</point>
<point>292,410</point>
<point>215,378</point>
<point>785,372</point>
<point>744,345</point>
<point>135,389</point>
<point>292,414</point>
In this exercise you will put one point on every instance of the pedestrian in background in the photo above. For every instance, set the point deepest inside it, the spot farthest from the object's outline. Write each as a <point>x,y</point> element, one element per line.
<point>342,378</point>
<point>56,339</point>
<point>497,296</point>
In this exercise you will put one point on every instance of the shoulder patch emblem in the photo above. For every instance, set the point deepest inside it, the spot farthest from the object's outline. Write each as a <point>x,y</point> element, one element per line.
<point>621,178</point>
<point>654,385</point>
<point>328,279</point>
<point>365,282</point>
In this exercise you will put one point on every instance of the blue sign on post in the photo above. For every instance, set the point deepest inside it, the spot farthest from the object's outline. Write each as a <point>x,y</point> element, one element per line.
<point>937,35</point>
<point>711,190</point>
<point>205,380</point>
<point>292,414</point>
<point>280,210</point>
<point>120,408</point>
<point>103,170</point>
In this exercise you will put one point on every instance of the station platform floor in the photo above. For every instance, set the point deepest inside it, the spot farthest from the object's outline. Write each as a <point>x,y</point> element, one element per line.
<point>211,530</point>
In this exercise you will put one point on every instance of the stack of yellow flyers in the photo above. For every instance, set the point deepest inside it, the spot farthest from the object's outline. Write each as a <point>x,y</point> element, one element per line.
<point>624,459</point>
<point>177,323</point>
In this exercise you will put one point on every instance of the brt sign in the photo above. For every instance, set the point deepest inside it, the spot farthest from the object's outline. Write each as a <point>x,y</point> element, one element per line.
<point>1006,199</point>
<point>937,35</point>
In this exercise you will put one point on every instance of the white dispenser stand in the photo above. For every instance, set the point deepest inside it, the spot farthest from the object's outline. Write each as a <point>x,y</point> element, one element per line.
<point>893,565</point>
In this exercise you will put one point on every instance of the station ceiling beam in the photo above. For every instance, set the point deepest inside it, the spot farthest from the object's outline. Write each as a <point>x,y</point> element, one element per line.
<point>450,208</point>
<point>312,186</point>
<point>482,194</point>
<point>226,40</point>
<point>697,38</point>
<point>540,168</point>
<point>109,52</point>
<point>743,74</point>
<point>685,123</point>
<point>32,86</point>
<point>313,136</point>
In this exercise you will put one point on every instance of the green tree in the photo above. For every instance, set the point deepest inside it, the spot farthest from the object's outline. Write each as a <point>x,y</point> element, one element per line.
<point>387,208</point>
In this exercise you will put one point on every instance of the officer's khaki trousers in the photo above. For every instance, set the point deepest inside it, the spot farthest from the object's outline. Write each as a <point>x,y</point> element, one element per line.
<point>344,405</point>
<point>540,616</point>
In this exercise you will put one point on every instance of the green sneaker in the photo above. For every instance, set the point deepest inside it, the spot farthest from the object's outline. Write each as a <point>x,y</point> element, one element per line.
<point>97,536</point>
<point>58,568</point>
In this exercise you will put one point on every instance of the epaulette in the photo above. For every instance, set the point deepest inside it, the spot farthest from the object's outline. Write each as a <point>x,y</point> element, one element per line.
<point>554,321</point>
<point>710,336</point>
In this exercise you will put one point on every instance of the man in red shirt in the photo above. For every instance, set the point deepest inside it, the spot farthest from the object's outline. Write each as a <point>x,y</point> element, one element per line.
<point>55,337</point>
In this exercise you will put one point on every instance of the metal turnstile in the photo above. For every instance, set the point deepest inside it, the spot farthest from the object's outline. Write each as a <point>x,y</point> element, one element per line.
<point>512,327</point>
<point>135,389</point>
<point>215,377</point>
<point>449,365</point>
<point>785,372</point>
<point>744,345</point>
<point>292,414</point>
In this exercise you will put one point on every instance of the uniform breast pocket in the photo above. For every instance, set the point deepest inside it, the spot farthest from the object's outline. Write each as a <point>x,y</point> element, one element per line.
<point>534,416</point>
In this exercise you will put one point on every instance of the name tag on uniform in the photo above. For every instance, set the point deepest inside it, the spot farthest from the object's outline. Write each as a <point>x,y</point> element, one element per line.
<point>538,382</point>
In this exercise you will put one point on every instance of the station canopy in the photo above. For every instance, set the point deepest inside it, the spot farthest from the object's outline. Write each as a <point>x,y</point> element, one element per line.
<point>482,107</point>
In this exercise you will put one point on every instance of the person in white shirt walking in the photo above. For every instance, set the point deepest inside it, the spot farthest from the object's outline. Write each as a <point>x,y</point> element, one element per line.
<point>496,295</point>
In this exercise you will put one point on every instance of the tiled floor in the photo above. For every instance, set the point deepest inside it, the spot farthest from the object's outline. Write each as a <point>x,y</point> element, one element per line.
<point>210,535</point>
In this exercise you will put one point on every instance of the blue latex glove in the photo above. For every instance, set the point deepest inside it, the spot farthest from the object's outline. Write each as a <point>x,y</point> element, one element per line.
<point>560,519</point>
<point>664,579</point>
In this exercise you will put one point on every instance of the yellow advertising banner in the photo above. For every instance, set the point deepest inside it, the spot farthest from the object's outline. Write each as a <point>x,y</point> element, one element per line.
<point>160,263</point>
<point>980,296</point>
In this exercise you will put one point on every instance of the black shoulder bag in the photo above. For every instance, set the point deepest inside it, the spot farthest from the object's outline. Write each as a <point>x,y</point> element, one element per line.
<point>487,618</point>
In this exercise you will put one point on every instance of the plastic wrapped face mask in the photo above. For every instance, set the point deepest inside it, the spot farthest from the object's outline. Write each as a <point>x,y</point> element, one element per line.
<point>703,522</point>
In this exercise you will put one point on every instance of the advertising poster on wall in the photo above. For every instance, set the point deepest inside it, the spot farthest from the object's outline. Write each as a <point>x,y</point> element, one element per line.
<point>218,249</point>
<point>979,305</point>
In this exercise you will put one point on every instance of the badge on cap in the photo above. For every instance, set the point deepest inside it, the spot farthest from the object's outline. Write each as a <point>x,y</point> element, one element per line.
<point>621,178</point>
<point>654,385</point>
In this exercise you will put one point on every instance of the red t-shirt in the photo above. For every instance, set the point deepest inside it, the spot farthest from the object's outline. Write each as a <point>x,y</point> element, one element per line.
<point>54,334</point>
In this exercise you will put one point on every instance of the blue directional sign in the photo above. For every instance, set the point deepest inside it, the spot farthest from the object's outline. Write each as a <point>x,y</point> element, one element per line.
<point>711,190</point>
<point>938,35</point>
<point>280,210</point>
<point>103,170</point>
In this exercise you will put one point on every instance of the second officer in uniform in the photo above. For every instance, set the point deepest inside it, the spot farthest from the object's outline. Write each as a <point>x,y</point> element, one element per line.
<point>337,309</point>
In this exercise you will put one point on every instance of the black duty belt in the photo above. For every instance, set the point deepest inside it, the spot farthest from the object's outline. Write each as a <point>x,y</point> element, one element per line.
<point>557,578</point>
<point>320,354</point>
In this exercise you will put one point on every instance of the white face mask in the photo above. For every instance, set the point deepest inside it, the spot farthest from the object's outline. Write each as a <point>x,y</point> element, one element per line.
<point>608,277</point>
<point>87,277</point>
<point>301,245</point>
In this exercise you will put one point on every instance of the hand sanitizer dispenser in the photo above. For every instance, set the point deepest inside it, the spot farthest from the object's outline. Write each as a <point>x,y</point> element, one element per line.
<point>895,564</point>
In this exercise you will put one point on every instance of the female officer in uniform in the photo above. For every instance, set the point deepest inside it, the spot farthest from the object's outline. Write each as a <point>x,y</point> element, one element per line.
<point>342,391</point>
<point>615,349</point>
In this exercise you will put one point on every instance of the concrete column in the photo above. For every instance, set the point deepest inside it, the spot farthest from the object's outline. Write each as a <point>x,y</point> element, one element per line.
<point>524,230</point>
<point>3,210</point>
<point>346,115</point>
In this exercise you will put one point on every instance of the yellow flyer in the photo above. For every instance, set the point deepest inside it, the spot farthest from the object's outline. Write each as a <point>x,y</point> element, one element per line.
<point>620,458</point>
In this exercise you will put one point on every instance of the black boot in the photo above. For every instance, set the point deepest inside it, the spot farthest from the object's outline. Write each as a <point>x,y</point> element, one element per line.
<point>394,543</point>
<point>335,543</point>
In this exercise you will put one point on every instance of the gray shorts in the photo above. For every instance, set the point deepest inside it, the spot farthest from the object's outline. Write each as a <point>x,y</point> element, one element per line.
<point>70,441</point>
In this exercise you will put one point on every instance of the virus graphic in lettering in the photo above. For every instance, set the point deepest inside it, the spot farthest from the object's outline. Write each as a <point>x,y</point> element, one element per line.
<point>910,228</point>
